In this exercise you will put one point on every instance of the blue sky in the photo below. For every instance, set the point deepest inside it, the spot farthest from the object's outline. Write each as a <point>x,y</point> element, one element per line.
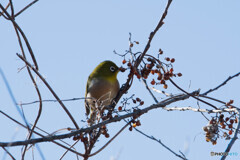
<point>69,38</point>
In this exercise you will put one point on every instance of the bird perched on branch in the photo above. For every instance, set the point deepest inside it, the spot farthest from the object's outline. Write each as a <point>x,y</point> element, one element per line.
<point>102,88</point>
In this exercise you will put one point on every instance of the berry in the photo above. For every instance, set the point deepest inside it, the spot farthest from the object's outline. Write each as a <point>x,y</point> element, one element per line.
<point>236,120</point>
<point>226,119</point>
<point>165,86</point>
<point>230,132</point>
<point>149,66</point>
<point>230,126</point>
<point>162,81</point>
<point>130,128</point>
<point>107,135</point>
<point>134,101</point>
<point>171,70</point>
<point>141,103</point>
<point>134,125</point>
<point>153,82</point>
<point>231,121</point>
<point>124,61</point>
<point>120,108</point>
<point>131,45</point>
<point>172,60</point>
<point>138,76</point>
<point>167,59</point>
<point>136,42</point>
<point>179,74</point>
<point>138,123</point>
<point>152,72</point>
<point>223,126</point>
<point>138,99</point>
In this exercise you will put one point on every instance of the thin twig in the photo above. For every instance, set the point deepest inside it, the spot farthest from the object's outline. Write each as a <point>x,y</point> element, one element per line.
<point>50,100</point>
<point>8,153</point>
<point>1,13</point>
<point>149,90</point>
<point>222,84</point>
<point>22,10</point>
<point>109,141</point>
<point>12,119</point>
<point>159,141</point>
<point>51,90</point>
<point>68,149</point>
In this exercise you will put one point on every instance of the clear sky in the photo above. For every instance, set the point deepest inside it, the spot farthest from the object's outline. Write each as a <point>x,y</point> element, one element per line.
<point>69,38</point>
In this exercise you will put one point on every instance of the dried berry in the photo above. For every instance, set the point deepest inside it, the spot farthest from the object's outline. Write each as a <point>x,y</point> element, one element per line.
<point>130,128</point>
<point>138,123</point>
<point>138,99</point>
<point>231,121</point>
<point>230,132</point>
<point>131,44</point>
<point>152,72</point>
<point>120,108</point>
<point>236,120</point>
<point>172,60</point>
<point>136,42</point>
<point>226,119</point>
<point>141,103</point>
<point>107,135</point>
<point>167,59</point>
<point>153,82</point>
<point>179,74</point>
<point>162,81</point>
<point>129,64</point>
<point>165,86</point>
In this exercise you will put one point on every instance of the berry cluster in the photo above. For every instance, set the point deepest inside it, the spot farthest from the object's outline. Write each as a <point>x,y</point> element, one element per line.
<point>134,123</point>
<point>219,122</point>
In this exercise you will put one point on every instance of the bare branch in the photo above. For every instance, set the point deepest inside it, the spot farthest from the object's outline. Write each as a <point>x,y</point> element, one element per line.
<point>202,110</point>
<point>222,84</point>
<point>232,140</point>
<point>8,153</point>
<point>22,10</point>
<point>51,90</point>
<point>159,141</point>
<point>116,119</point>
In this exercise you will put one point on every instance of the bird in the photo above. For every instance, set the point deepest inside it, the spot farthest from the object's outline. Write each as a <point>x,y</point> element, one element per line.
<point>102,87</point>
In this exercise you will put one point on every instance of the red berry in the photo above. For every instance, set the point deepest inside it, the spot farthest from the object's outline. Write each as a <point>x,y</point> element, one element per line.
<point>124,61</point>
<point>141,103</point>
<point>226,119</point>
<point>172,60</point>
<point>153,82</point>
<point>120,108</point>
<point>165,86</point>
<point>138,99</point>
<point>167,59</point>
<point>179,74</point>
<point>230,132</point>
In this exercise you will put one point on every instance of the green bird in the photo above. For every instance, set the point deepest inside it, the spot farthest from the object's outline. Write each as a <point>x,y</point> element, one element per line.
<point>102,88</point>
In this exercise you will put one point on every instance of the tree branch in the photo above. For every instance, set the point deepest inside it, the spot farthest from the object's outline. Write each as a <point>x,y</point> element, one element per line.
<point>116,119</point>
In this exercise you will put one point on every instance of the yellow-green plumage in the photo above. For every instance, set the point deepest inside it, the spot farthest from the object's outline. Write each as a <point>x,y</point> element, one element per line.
<point>102,87</point>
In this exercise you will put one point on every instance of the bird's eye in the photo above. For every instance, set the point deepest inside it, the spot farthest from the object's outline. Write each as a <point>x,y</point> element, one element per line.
<point>112,68</point>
